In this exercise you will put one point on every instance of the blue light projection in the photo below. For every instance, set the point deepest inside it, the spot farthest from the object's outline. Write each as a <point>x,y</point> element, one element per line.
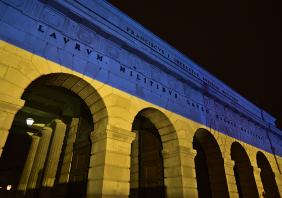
<point>49,33</point>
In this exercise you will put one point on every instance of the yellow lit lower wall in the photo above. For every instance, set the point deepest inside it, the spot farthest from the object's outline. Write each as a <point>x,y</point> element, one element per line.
<point>113,113</point>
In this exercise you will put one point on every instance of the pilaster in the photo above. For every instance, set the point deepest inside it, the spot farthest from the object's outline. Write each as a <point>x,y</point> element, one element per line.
<point>180,174</point>
<point>230,178</point>
<point>246,179</point>
<point>221,175</point>
<point>259,184</point>
<point>8,108</point>
<point>278,179</point>
<point>134,163</point>
<point>109,171</point>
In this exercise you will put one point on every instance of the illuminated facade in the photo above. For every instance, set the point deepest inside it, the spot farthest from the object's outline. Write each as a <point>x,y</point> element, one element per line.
<point>118,112</point>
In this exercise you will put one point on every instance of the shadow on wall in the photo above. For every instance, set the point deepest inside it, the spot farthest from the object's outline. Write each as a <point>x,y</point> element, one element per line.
<point>48,105</point>
<point>209,166</point>
<point>267,177</point>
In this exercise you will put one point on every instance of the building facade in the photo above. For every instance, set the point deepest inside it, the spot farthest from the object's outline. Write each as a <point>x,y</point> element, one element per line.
<point>119,113</point>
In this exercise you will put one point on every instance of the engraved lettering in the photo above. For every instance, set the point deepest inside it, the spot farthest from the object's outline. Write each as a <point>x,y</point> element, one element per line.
<point>89,51</point>
<point>66,40</point>
<point>40,29</point>
<point>77,47</point>
<point>122,69</point>
<point>99,57</point>
<point>53,35</point>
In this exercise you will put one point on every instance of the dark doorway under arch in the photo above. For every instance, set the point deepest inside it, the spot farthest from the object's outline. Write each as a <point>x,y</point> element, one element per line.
<point>243,172</point>
<point>45,103</point>
<point>150,161</point>
<point>267,177</point>
<point>209,165</point>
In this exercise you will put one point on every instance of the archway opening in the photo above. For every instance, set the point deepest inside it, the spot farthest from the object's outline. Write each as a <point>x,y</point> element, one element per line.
<point>243,172</point>
<point>147,170</point>
<point>267,176</point>
<point>209,165</point>
<point>55,105</point>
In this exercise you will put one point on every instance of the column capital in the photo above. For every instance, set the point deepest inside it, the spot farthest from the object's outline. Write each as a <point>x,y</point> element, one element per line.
<point>179,150</point>
<point>10,104</point>
<point>256,169</point>
<point>229,162</point>
<point>38,127</point>
<point>114,133</point>
<point>56,121</point>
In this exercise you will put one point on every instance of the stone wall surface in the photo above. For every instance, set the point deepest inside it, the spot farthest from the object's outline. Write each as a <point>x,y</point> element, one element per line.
<point>48,32</point>
<point>116,81</point>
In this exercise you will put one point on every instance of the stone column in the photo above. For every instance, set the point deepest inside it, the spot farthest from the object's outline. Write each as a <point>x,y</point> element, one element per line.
<point>39,159</point>
<point>68,153</point>
<point>29,163</point>
<point>230,177</point>
<point>59,130</point>
<point>62,183</point>
<point>109,171</point>
<point>8,109</point>
<point>180,175</point>
<point>134,163</point>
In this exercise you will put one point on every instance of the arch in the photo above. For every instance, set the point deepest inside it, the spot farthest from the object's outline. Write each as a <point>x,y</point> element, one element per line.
<point>267,176</point>
<point>93,110</point>
<point>155,133</point>
<point>161,122</point>
<point>209,165</point>
<point>83,89</point>
<point>243,172</point>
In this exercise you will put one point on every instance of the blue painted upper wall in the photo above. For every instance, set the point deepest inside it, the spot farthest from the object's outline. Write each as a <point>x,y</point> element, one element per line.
<point>128,30</point>
<point>99,41</point>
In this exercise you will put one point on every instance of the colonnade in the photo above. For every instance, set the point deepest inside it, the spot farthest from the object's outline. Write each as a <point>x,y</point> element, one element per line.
<point>199,172</point>
<point>43,157</point>
<point>196,161</point>
<point>214,176</point>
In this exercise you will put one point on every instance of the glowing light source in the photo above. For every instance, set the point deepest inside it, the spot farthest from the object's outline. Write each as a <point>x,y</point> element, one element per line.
<point>9,187</point>
<point>29,121</point>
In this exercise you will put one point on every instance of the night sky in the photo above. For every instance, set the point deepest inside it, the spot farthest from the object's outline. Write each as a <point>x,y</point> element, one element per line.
<point>239,42</point>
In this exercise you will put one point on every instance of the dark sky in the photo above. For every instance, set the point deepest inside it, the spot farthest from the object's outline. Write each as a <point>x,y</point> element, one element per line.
<point>239,41</point>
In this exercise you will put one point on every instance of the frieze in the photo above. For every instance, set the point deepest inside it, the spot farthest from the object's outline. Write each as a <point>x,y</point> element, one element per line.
<point>52,17</point>
<point>172,58</point>
<point>17,3</point>
<point>221,117</point>
<point>85,35</point>
<point>220,120</point>
<point>125,30</point>
<point>206,81</point>
<point>77,47</point>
